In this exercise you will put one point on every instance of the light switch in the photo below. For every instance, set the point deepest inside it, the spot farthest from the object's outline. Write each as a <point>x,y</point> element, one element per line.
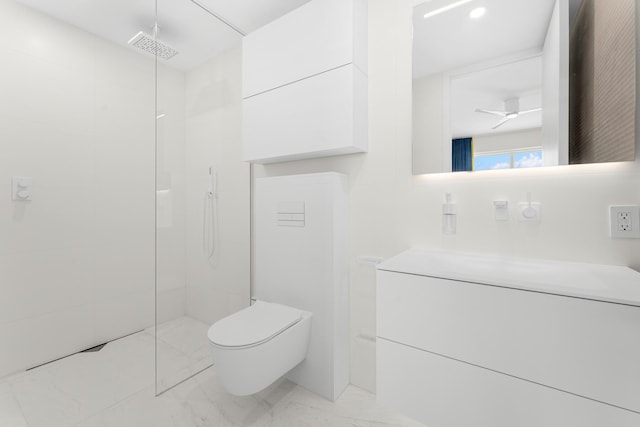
<point>501,210</point>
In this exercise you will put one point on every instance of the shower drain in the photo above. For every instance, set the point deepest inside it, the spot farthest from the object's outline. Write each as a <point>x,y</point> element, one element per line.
<point>94,349</point>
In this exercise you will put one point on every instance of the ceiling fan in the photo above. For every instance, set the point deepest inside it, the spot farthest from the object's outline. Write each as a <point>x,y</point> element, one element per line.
<point>511,111</point>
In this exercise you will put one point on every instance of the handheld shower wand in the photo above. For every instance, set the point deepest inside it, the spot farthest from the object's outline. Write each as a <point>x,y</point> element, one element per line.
<point>210,217</point>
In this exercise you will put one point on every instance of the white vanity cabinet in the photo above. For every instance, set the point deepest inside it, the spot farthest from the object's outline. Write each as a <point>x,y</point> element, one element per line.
<point>305,83</point>
<point>472,340</point>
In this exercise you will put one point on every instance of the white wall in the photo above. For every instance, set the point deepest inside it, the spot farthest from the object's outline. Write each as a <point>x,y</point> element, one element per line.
<point>77,262</point>
<point>171,195</point>
<point>214,131</point>
<point>428,124</point>
<point>391,210</point>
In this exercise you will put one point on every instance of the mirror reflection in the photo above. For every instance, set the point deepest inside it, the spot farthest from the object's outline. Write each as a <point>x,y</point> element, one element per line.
<point>514,83</point>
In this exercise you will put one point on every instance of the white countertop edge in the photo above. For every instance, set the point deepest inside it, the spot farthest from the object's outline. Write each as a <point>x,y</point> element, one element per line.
<point>606,283</point>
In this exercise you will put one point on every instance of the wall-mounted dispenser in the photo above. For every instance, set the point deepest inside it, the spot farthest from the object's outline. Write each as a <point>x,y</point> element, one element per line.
<point>501,210</point>
<point>448,215</point>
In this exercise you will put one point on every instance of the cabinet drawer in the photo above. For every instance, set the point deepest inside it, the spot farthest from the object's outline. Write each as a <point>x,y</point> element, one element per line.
<point>442,392</point>
<point>585,347</point>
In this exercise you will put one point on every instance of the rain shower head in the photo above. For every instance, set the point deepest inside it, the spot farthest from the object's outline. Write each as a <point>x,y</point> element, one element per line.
<point>155,47</point>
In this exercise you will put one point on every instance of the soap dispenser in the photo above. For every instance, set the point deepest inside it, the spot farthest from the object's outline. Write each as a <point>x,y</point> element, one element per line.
<point>448,215</point>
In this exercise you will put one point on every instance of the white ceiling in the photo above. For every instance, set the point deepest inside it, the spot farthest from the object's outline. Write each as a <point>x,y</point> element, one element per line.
<point>183,25</point>
<point>452,41</point>
<point>488,89</point>
<point>444,42</point>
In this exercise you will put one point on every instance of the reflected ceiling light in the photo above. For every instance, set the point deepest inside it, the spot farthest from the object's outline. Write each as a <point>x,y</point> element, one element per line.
<point>477,12</point>
<point>446,8</point>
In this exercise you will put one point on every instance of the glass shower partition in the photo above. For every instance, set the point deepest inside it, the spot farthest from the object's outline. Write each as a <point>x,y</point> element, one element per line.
<point>126,216</point>
<point>202,187</point>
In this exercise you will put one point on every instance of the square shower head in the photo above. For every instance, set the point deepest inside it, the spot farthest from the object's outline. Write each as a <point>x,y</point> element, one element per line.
<point>155,47</point>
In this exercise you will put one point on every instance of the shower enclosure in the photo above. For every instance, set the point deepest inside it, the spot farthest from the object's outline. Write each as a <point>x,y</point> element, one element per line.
<point>202,201</point>
<point>127,202</point>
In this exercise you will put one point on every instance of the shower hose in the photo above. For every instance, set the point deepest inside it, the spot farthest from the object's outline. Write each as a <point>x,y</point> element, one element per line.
<point>210,225</point>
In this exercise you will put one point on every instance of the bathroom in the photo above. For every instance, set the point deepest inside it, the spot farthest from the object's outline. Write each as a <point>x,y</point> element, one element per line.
<point>116,223</point>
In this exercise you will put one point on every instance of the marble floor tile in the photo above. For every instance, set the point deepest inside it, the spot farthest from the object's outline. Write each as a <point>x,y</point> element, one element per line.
<point>189,337</point>
<point>145,409</point>
<point>355,407</point>
<point>115,387</point>
<point>10,412</point>
<point>185,334</point>
<point>71,389</point>
<point>201,401</point>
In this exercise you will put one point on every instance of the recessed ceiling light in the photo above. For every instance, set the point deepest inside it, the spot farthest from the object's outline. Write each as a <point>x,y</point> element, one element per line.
<point>477,12</point>
<point>446,8</point>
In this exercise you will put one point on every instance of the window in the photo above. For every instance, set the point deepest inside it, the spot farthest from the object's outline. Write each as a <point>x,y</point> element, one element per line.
<point>511,159</point>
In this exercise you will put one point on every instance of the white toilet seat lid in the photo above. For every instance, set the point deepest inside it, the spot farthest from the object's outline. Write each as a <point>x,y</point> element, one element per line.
<point>253,325</point>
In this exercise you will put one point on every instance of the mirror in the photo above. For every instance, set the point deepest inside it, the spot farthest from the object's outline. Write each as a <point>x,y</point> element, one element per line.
<point>519,83</point>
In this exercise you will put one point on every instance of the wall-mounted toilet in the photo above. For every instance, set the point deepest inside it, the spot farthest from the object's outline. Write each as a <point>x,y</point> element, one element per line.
<point>300,260</point>
<point>259,344</point>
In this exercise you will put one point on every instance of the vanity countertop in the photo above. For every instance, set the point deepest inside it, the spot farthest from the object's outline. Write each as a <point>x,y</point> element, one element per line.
<point>608,283</point>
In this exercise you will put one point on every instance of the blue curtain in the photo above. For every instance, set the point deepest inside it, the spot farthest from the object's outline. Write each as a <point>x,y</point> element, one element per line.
<point>462,154</point>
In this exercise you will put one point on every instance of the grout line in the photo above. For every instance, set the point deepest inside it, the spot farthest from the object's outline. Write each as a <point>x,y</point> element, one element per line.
<point>82,351</point>
<point>62,309</point>
<point>14,396</point>
<point>219,18</point>
<point>184,380</point>
<point>113,405</point>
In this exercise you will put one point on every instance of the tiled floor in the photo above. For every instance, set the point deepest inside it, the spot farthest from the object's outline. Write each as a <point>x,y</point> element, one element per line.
<point>115,388</point>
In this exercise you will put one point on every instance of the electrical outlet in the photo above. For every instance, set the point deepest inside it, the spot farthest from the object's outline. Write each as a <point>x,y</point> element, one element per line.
<point>625,221</point>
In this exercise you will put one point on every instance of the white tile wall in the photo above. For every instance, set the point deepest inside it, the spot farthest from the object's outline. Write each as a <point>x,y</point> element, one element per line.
<point>214,127</point>
<point>30,342</point>
<point>38,283</point>
<point>171,304</point>
<point>171,212</point>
